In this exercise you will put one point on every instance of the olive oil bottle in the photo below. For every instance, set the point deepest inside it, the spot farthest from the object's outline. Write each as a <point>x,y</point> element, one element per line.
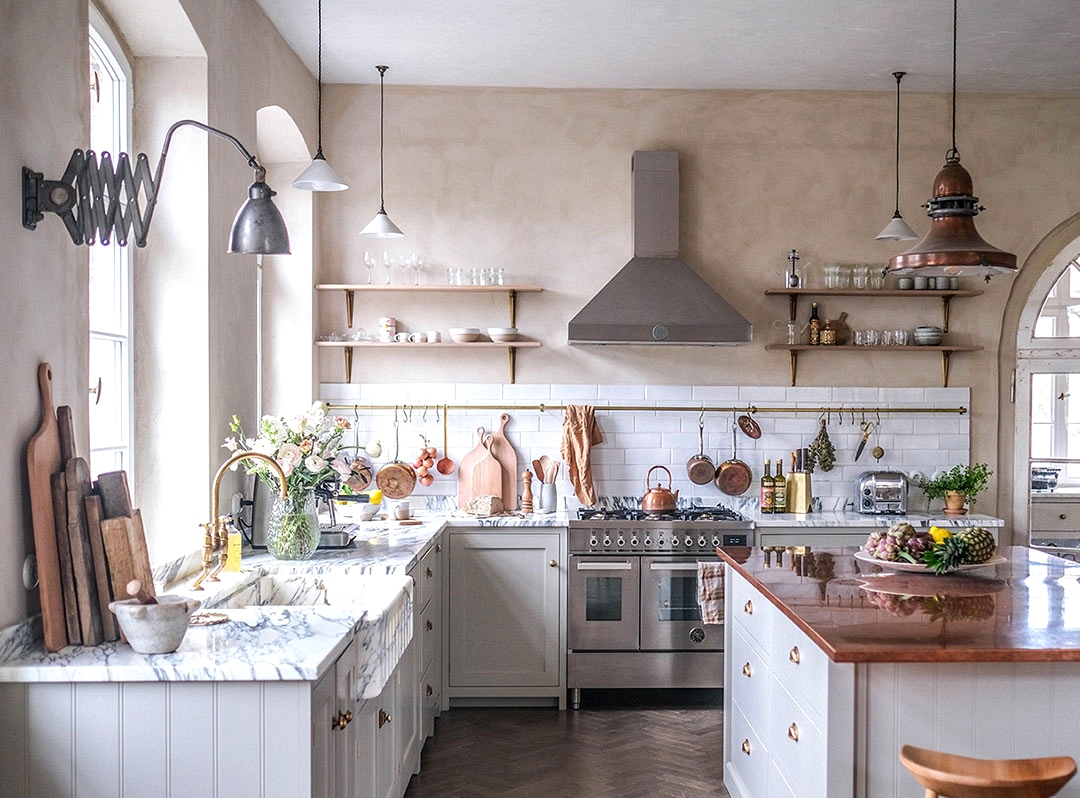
<point>768,495</point>
<point>779,488</point>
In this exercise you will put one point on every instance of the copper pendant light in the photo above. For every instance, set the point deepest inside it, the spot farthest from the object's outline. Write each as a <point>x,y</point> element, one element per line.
<point>953,246</point>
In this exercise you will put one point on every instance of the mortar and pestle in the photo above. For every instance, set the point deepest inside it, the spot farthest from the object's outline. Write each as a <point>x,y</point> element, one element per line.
<point>153,625</point>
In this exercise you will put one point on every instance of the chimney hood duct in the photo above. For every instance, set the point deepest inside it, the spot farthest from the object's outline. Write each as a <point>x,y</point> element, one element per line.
<point>657,298</point>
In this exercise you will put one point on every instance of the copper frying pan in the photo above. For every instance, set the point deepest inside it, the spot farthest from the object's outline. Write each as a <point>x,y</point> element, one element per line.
<point>733,476</point>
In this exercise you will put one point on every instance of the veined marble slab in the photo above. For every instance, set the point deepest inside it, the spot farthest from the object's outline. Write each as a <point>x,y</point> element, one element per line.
<point>847,518</point>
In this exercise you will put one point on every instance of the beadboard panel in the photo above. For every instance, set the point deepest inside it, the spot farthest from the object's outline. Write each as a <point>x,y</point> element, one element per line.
<point>168,740</point>
<point>988,710</point>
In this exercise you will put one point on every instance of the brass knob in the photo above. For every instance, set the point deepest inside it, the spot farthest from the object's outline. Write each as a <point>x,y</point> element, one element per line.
<point>429,573</point>
<point>747,671</point>
<point>429,690</point>
<point>794,655</point>
<point>338,722</point>
<point>552,564</point>
<point>746,747</point>
<point>748,607</point>
<point>793,732</point>
<point>430,626</point>
<point>438,548</point>
<point>348,717</point>
<point>384,718</point>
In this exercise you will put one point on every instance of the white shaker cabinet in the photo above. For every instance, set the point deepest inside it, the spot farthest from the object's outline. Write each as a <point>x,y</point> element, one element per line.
<point>506,616</point>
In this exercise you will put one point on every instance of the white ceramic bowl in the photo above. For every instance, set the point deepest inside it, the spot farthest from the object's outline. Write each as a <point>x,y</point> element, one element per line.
<point>464,335</point>
<point>502,334</point>
<point>927,336</point>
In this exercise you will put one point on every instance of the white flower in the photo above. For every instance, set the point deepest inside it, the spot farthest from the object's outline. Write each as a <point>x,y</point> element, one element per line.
<point>341,465</point>
<point>315,464</point>
<point>290,453</point>
<point>262,445</point>
<point>230,444</point>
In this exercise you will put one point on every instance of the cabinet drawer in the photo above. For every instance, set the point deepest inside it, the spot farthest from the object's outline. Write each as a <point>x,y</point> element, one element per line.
<point>797,660</point>
<point>430,700</point>
<point>1056,516</point>
<point>750,678</point>
<point>751,610</point>
<point>749,757</point>
<point>796,742</point>
<point>428,632</point>
<point>427,576</point>
<point>778,786</point>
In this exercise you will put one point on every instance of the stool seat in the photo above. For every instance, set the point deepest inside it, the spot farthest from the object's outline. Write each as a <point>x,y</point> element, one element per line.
<point>955,776</point>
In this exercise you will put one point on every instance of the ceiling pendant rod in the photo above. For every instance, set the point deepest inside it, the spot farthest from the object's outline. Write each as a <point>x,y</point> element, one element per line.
<point>381,226</point>
<point>897,229</point>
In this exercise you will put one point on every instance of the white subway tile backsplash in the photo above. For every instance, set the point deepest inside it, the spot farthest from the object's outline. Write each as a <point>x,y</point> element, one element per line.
<point>636,440</point>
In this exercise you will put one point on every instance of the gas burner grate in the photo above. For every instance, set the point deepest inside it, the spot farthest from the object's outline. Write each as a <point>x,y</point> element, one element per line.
<point>718,513</point>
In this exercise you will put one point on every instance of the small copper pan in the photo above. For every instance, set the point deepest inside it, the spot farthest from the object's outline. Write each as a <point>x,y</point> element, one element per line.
<point>749,427</point>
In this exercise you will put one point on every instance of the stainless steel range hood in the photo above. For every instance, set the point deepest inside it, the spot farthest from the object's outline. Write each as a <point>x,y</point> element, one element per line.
<point>657,298</point>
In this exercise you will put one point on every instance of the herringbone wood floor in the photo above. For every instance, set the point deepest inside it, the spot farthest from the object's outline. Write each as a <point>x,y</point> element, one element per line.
<point>590,753</point>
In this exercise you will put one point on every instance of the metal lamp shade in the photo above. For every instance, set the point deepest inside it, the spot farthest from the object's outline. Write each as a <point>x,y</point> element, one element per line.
<point>382,227</point>
<point>319,176</point>
<point>897,230</point>
<point>258,228</point>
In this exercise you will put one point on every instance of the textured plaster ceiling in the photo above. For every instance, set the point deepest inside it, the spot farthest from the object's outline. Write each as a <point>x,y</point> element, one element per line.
<point>1004,45</point>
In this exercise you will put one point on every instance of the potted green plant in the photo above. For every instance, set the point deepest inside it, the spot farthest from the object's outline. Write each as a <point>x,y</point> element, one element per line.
<point>958,486</point>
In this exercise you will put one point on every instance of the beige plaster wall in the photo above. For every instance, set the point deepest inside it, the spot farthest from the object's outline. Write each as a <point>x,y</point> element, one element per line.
<point>43,310</point>
<point>538,182</point>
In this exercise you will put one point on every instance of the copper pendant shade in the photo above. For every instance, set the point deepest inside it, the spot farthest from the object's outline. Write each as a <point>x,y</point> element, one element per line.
<point>953,246</point>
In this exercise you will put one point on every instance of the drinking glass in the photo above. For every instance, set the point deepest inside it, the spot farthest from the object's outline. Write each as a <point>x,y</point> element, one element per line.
<point>844,276</point>
<point>860,275</point>
<point>388,264</point>
<point>370,262</point>
<point>877,277</point>
<point>832,275</point>
<point>901,337</point>
<point>417,267</point>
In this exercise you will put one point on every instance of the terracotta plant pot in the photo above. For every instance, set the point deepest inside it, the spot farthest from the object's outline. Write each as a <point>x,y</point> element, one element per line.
<point>954,503</point>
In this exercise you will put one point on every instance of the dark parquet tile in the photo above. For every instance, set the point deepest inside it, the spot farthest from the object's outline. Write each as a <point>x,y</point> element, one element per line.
<point>591,753</point>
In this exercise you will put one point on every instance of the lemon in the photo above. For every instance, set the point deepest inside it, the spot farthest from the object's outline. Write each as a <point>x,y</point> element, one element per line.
<point>939,534</point>
<point>375,497</point>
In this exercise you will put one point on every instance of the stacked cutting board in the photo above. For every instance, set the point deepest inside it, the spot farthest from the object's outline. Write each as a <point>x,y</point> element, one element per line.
<point>89,542</point>
<point>490,469</point>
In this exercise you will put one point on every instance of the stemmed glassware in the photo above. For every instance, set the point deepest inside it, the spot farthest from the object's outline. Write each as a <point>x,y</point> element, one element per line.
<point>370,262</point>
<point>416,263</point>
<point>388,264</point>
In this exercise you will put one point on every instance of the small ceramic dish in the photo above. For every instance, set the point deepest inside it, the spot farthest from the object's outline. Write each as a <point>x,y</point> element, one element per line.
<point>502,334</point>
<point>464,335</point>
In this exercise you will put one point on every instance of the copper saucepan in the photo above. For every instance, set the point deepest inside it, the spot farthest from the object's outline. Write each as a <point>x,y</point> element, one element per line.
<point>396,479</point>
<point>700,468</point>
<point>733,476</point>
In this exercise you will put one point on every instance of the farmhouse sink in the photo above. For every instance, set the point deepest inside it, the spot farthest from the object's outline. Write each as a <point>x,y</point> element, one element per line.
<point>383,634</point>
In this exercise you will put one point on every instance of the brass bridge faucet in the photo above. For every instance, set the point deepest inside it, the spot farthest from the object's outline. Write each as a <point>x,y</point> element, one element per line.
<point>217,536</point>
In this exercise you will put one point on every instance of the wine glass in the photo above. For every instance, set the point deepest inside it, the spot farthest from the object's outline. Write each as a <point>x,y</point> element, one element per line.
<point>416,263</point>
<point>388,264</point>
<point>370,262</point>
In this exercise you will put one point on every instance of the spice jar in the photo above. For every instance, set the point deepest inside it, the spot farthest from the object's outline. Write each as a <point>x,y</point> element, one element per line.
<point>828,334</point>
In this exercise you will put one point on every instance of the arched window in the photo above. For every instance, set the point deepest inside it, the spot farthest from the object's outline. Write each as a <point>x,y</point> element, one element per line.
<point>110,293</point>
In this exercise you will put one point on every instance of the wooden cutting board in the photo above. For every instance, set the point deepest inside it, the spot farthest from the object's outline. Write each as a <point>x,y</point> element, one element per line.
<point>503,451</point>
<point>109,627</point>
<point>112,487</point>
<point>116,534</point>
<point>140,555</point>
<point>63,549</point>
<point>82,559</point>
<point>487,474</point>
<point>465,469</point>
<point>42,461</point>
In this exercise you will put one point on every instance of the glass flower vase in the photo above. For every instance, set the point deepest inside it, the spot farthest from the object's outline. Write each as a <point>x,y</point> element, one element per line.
<point>292,531</point>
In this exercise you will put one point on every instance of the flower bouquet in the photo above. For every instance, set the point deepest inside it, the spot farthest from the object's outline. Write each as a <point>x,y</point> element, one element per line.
<point>308,449</point>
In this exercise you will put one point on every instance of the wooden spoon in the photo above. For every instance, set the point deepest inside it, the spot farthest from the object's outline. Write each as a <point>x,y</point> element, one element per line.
<point>538,470</point>
<point>547,464</point>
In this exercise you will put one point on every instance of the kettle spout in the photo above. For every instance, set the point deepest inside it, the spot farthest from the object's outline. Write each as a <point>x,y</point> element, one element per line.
<point>676,497</point>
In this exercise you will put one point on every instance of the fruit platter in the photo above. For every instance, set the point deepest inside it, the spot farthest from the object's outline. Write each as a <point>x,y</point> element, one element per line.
<point>937,550</point>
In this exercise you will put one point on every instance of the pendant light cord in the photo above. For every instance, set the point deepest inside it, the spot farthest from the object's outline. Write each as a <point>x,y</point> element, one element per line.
<point>382,116</point>
<point>899,76</point>
<point>953,154</point>
<point>319,153</point>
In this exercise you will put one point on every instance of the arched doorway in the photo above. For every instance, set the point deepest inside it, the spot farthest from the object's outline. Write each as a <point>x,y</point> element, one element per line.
<point>1046,390</point>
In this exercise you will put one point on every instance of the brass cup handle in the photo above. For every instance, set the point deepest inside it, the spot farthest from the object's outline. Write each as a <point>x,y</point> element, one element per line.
<point>793,732</point>
<point>746,747</point>
<point>748,607</point>
<point>747,671</point>
<point>794,655</point>
<point>552,564</point>
<point>429,573</point>
<point>384,718</point>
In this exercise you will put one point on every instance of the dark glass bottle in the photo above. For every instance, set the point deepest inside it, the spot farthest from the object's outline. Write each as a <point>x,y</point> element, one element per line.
<point>768,496</point>
<point>779,488</point>
<point>814,327</point>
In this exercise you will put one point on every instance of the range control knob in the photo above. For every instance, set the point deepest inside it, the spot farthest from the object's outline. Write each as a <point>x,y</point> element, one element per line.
<point>689,541</point>
<point>648,543</point>
<point>674,542</point>
<point>633,543</point>
<point>697,634</point>
<point>701,542</point>
<point>621,542</point>
<point>715,542</point>
<point>593,542</point>
<point>607,541</point>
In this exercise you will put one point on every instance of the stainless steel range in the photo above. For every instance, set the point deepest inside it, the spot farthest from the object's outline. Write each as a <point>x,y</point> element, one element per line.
<point>634,620</point>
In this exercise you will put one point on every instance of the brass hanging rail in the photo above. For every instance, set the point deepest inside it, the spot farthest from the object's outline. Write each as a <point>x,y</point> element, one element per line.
<point>824,410</point>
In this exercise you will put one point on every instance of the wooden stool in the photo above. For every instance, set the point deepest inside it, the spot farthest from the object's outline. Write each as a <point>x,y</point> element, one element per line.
<point>956,776</point>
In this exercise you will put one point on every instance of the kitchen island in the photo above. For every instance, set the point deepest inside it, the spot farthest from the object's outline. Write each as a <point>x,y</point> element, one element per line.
<point>833,665</point>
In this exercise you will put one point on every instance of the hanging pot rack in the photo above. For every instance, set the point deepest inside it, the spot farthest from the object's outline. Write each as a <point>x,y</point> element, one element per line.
<point>825,411</point>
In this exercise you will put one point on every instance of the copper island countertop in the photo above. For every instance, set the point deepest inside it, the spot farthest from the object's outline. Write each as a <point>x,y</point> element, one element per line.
<point>1024,610</point>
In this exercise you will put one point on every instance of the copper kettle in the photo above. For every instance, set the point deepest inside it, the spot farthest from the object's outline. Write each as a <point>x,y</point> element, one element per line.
<point>658,499</point>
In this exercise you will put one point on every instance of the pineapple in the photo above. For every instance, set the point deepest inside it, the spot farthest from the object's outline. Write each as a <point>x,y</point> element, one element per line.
<point>968,546</point>
<point>980,544</point>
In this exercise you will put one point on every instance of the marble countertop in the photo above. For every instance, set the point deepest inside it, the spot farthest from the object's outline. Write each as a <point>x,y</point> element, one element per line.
<point>1026,609</point>
<point>849,518</point>
<point>271,642</point>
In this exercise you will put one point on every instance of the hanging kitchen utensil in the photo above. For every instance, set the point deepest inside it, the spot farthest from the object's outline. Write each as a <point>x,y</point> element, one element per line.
<point>445,466</point>
<point>821,451</point>
<point>658,499</point>
<point>700,468</point>
<point>867,428</point>
<point>733,476</point>
<point>361,476</point>
<point>396,479</point>
<point>747,424</point>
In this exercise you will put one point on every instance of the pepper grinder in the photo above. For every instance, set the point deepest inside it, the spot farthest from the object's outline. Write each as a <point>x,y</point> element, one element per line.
<point>526,493</point>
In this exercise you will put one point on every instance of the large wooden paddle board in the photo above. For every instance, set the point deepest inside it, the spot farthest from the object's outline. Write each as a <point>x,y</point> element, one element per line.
<point>503,451</point>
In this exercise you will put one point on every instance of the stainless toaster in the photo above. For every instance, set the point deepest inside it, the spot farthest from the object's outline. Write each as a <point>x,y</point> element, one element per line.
<point>881,492</point>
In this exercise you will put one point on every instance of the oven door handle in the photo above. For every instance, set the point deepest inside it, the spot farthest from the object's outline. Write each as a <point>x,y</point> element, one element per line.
<point>605,566</point>
<point>673,566</point>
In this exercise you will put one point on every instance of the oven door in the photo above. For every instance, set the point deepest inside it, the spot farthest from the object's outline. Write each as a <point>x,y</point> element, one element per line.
<point>670,616</point>
<point>603,603</point>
